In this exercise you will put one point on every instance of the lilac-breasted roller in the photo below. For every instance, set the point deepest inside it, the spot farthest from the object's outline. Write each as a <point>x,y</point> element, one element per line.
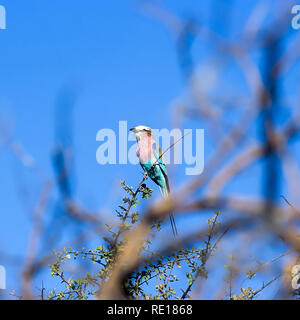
<point>151,160</point>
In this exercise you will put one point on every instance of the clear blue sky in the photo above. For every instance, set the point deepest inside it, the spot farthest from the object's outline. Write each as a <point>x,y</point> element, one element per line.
<point>122,65</point>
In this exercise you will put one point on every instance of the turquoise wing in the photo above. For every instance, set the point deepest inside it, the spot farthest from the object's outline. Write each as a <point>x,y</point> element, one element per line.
<point>161,163</point>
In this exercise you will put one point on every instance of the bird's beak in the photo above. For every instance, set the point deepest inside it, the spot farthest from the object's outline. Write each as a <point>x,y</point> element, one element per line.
<point>132,129</point>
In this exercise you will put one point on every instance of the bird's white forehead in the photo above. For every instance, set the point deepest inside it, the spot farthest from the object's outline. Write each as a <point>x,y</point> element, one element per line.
<point>141,128</point>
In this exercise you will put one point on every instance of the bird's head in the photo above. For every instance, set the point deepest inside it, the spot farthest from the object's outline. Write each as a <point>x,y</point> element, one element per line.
<point>141,131</point>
